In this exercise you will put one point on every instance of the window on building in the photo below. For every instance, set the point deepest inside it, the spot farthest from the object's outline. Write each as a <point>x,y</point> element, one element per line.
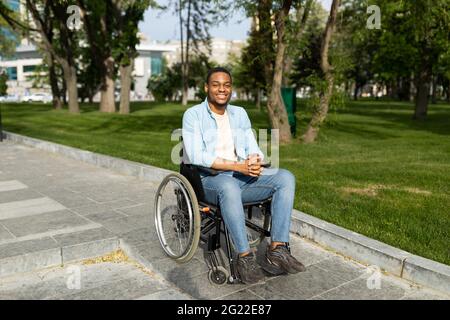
<point>156,66</point>
<point>29,69</point>
<point>12,73</point>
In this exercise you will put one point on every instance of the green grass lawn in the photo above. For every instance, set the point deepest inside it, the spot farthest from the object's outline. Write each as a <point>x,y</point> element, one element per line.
<point>373,170</point>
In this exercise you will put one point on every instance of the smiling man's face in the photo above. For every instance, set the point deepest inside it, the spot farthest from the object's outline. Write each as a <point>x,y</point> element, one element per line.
<point>218,89</point>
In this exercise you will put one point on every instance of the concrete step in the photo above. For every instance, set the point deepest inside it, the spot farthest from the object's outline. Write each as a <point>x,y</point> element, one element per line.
<point>28,255</point>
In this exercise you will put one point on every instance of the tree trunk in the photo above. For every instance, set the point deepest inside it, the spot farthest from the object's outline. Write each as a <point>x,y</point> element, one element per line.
<point>258,99</point>
<point>424,76</point>
<point>185,92</point>
<point>448,92</point>
<point>412,88</point>
<point>64,91</point>
<point>321,112</point>
<point>275,105</point>
<point>125,88</point>
<point>56,93</point>
<point>423,89</point>
<point>433,88</point>
<point>107,103</point>
<point>356,91</point>
<point>70,77</point>
<point>394,89</point>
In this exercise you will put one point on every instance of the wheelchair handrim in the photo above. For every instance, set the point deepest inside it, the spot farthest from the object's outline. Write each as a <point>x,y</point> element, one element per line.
<point>158,220</point>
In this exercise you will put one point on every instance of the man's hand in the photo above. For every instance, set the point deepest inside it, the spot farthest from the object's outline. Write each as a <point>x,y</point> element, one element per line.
<point>252,166</point>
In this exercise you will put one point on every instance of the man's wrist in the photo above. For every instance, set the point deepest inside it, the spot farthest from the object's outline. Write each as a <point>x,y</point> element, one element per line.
<point>238,166</point>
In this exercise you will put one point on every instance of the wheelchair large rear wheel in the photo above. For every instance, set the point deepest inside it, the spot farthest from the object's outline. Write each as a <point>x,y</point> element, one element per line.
<point>177,217</point>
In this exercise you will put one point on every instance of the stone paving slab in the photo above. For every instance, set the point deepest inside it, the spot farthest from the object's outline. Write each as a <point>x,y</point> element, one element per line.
<point>119,209</point>
<point>23,208</point>
<point>18,195</point>
<point>5,234</point>
<point>11,185</point>
<point>100,217</point>
<point>86,236</point>
<point>44,222</point>
<point>101,281</point>
<point>25,247</point>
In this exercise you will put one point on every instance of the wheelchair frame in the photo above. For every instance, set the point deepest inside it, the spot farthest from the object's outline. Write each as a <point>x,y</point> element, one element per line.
<point>212,224</point>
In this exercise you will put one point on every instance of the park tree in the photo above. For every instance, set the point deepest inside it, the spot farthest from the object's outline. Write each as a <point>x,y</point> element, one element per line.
<point>407,54</point>
<point>320,113</point>
<point>430,25</point>
<point>50,63</point>
<point>112,33</point>
<point>165,86</point>
<point>196,17</point>
<point>295,32</point>
<point>358,43</point>
<point>276,30</point>
<point>89,76</point>
<point>99,23</point>
<point>253,71</point>
<point>443,73</point>
<point>50,20</point>
<point>127,15</point>
<point>275,106</point>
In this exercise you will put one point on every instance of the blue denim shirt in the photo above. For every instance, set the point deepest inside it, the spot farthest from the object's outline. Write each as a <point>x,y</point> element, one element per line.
<point>200,134</point>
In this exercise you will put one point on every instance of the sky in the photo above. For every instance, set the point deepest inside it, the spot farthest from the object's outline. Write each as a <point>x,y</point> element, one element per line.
<point>163,26</point>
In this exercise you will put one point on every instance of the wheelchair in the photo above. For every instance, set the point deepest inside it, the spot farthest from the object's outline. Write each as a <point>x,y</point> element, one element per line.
<point>183,220</point>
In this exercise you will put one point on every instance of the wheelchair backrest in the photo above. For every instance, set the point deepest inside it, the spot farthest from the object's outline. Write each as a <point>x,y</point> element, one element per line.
<point>191,173</point>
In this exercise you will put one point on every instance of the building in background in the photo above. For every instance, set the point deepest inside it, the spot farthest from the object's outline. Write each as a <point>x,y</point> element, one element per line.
<point>26,60</point>
<point>221,49</point>
<point>23,65</point>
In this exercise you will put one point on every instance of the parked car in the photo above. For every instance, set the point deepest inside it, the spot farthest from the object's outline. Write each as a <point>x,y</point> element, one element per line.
<point>38,97</point>
<point>10,98</point>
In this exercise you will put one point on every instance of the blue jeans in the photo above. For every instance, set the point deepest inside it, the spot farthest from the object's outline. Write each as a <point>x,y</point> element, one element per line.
<point>230,192</point>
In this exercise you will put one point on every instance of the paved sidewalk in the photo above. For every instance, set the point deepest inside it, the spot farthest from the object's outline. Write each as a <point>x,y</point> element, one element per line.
<point>55,210</point>
<point>88,281</point>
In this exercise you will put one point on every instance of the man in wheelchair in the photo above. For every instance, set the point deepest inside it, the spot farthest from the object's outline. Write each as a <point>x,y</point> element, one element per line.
<point>218,135</point>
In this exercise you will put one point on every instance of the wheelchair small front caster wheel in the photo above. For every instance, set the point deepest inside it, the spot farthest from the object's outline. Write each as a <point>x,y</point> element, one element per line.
<point>218,276</point>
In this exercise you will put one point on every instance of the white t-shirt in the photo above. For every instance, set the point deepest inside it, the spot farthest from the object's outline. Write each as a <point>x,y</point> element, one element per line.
<point>225,144</point>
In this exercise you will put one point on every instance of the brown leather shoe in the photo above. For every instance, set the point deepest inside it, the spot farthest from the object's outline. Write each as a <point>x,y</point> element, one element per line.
<point>281,258</point>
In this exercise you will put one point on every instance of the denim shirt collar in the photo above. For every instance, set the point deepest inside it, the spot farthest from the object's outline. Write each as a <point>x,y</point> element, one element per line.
<point>229,108</point>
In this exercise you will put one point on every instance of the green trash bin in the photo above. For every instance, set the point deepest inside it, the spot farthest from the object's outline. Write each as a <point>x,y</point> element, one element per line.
<point>289,97</point>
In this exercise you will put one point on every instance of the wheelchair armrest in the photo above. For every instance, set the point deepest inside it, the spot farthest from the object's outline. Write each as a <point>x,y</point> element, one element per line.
<point>209,171</point>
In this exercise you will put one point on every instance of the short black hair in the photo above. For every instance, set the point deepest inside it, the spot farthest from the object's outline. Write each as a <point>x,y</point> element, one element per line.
<point>215,70</point>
